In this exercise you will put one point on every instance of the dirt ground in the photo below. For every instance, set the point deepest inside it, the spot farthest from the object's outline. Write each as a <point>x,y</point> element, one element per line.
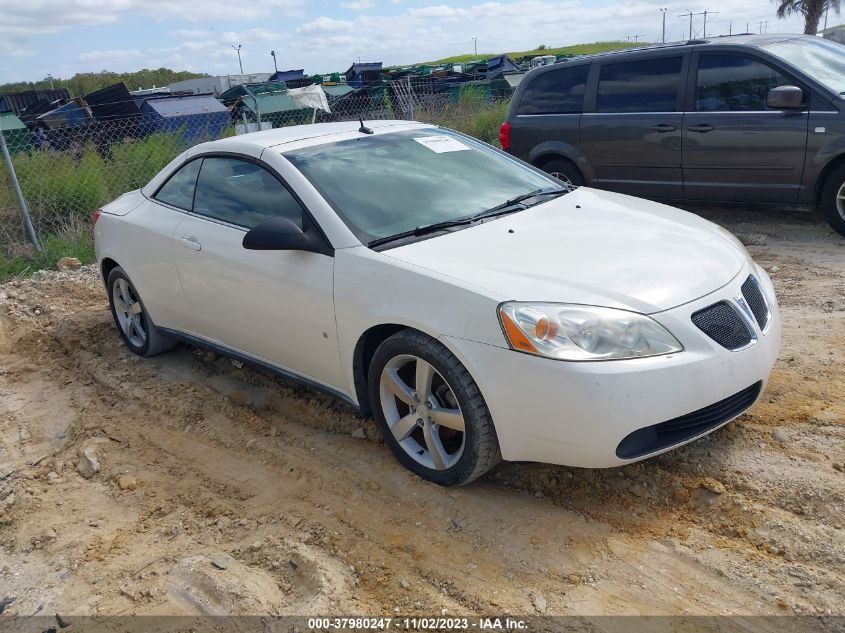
<point>225,490</point>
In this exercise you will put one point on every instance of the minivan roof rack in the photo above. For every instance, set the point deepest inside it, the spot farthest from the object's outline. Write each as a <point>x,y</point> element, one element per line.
<point>698,42</point>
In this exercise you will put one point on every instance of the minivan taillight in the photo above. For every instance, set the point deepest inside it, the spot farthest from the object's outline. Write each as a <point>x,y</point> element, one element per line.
<point>505,135</point>
<point>95,216</point>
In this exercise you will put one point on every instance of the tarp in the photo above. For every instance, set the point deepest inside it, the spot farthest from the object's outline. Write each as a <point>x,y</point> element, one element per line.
<point>234,93</point>
<point>310,97</point>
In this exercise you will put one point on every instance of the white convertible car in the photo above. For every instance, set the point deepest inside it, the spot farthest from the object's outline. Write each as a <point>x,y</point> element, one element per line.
<point>475,306</point>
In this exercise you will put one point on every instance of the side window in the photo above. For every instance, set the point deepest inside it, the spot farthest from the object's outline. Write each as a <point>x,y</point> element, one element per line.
<point>242,193</point>
<point>734,83</point>
<point>178,191</point>
<point>650,85</point>
<point>556,92</point>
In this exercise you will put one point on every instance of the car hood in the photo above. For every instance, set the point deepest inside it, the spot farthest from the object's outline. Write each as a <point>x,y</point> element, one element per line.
<point>589,247</point>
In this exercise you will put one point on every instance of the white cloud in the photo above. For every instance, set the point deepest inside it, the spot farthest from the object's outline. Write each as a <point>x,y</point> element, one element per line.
<point>326,42</point>
<point>358,5</point>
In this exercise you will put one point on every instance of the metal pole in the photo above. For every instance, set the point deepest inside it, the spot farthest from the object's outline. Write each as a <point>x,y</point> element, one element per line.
<point>410,99</point>
<point>19,194</point>
<point>663,11</point>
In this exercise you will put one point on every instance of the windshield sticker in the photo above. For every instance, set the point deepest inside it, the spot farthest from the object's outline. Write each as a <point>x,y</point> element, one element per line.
<point>442,144</point>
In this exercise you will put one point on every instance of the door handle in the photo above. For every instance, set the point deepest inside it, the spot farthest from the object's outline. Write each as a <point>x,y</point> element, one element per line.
<point>191,242</point>
<point>663,127</point>
<point>701,128</point>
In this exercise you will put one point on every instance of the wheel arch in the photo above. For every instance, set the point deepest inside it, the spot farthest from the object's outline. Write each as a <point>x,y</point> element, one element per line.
<point>831,166</point>
<point>555,150</point>
<point>365,347</point>
<point>106,266</point>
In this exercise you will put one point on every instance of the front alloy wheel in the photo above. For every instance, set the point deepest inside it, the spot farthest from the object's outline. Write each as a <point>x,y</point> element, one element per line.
<point>422,412</point>
<point>430,410</point>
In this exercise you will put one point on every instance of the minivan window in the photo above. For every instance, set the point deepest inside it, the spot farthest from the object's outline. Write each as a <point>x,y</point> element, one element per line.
<point>178,191</point>
<point>242,193</point>
<point>734,83</point>
<point>648,85</point>
<point>559,91</point>
<point>821,59</point>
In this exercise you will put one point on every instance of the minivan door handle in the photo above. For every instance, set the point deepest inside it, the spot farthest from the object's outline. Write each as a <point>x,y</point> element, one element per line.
<point>701,128</point>
<point>191,242</point>
<point>663,127</point>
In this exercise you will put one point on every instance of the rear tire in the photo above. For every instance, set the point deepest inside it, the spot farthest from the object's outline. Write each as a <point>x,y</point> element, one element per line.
<point>133,322</point>
<point>564,170</point>
<point>430,410</point>
<point>833,199</point>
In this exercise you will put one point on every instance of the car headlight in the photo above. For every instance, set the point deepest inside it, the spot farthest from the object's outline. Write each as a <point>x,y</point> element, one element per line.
<point>581,333</point>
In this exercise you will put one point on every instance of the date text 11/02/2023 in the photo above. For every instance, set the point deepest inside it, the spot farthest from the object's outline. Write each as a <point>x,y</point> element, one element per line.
<point>418,623</point>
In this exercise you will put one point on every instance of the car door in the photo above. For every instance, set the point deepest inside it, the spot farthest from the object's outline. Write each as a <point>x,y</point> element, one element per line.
<point>734,147</point>
<point>149,236</point>
<point>630,133</point>
<point>276,306</point>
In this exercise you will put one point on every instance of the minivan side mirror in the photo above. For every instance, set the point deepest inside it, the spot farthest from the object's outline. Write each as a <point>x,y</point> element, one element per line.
<point>280,234</point>
<point>785,98</point>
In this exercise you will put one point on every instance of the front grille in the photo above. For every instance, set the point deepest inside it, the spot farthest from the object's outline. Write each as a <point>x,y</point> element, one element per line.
<point>755,300</point>
<point>659,436</point>
<point>723,324</point>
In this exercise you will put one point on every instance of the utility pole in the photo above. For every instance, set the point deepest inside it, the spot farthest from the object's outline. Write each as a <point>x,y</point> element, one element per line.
<point>663,11</point>
<point>238,51</point>
<point>730,28</point>
<point>475,46</point>
<point>705,14</point>
<point>747,27</point>
<point>764,26</point>
<point>275,67</point>
<point>688,15</point>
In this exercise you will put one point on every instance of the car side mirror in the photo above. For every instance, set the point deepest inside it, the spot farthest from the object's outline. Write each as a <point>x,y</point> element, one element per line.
<point>785,98</point>
<point>280,234</point>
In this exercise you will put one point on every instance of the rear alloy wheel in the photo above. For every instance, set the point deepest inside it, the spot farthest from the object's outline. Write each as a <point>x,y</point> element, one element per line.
<point>136,329</point>
<point>833,200</point>
<point>565,171</point>
<point>430,410</point>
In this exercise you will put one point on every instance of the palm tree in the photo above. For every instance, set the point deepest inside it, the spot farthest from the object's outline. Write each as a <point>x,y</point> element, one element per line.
<point>812,10</point>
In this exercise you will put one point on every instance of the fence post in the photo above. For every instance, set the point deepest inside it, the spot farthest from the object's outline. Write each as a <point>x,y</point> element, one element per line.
<point>19,194</point>
<point>410,99</point>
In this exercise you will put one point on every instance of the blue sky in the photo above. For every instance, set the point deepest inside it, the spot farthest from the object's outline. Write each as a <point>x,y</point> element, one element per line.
<point>62,37</point>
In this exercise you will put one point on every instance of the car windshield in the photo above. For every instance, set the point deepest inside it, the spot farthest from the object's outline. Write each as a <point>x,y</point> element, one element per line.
<point>387,184</point>
<point>819,58</point>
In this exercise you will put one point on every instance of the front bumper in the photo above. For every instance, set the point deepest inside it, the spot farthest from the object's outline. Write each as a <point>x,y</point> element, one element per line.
<point>577,414</point>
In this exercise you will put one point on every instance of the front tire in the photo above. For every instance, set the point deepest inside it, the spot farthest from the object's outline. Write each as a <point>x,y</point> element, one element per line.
<point>833,199</point>
<point>133,322</point>
<point>564,170</point>
<point>430,410</point>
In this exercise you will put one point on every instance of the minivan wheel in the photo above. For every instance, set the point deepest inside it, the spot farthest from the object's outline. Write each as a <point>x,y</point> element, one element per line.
<point>134,324</point>
<point>565,171</point>
<point>430,410</point>
<point>833,199</point>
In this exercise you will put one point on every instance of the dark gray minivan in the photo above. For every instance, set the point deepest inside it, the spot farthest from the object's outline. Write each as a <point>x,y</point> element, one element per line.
<point>747,118</point>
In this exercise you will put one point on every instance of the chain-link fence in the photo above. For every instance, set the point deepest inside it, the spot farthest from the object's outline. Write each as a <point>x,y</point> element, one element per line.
<point>68,172</point>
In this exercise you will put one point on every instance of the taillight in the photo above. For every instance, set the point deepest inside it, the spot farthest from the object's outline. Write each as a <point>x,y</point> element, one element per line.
<point>505,135</point>
<point>95,216</point>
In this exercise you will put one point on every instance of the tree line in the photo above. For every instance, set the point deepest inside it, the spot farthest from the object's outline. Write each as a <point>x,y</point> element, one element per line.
<point>83,83</point>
